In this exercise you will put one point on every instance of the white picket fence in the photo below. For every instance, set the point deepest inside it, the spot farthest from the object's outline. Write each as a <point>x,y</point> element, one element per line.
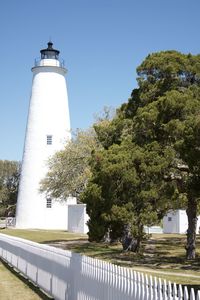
<point>69,276</point>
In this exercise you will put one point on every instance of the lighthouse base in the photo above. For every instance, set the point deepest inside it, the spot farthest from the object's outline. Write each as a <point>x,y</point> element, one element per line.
<point>53,216</point>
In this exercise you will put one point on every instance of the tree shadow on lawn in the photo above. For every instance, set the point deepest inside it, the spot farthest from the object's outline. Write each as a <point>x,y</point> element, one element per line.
<point>65,241</point>
<point>155,259</point>
<point>156,253</point>
<point>167,243</point>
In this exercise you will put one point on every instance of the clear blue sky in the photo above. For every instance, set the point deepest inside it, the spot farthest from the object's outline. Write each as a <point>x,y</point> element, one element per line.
<point>102,43</point>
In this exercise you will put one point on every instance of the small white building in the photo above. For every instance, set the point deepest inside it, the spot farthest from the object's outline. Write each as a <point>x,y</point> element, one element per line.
<point>55,214</point>
<point>77,218</point>
<point>177,222</point>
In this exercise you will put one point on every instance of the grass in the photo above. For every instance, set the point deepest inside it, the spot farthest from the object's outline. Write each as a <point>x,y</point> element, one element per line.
<point>163,255</point>
<point>44,236</point>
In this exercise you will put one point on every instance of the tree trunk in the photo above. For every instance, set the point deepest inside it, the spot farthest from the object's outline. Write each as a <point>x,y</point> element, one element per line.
<point>129,242</point>
<point>192,225</point>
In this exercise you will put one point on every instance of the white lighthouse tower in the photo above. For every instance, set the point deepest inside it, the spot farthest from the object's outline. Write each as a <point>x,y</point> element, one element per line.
<point>48,128</point>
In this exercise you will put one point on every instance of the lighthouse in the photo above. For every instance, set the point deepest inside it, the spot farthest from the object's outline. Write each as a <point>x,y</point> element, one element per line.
<point>47,131</point>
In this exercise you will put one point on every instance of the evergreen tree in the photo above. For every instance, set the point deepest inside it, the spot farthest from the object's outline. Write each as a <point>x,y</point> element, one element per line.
<point>127,191</point>
<point>153,142</point>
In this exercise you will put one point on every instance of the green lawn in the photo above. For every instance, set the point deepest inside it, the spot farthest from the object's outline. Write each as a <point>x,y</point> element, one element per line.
<point>44,236</point>
<point>163,255</point>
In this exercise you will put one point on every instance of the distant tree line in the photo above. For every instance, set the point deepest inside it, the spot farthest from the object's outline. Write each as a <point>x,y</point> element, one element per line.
<point>132,168</point>
<point>9,182</point>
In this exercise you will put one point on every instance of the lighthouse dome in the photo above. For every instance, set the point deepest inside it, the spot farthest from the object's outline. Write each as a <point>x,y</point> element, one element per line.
<point>49,57</point>
<point>49,52</point>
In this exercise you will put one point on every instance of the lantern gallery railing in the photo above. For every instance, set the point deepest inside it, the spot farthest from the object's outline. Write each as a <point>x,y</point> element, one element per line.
<point>41,62</point>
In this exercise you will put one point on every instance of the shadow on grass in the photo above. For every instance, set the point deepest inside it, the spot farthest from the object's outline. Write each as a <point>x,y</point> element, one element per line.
<point>66,241</point>
<point>34,288</point>
<point>158,257</point>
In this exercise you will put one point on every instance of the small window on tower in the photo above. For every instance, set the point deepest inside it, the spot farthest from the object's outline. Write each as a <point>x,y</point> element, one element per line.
<point>49,203</point>
<point>49,139</point>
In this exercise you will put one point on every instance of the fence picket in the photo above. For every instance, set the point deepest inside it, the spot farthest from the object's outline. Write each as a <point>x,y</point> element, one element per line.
<point>134,285</point>
<point>198,295</point>
<point>146,297</point>
<point>150,288</point>
<point>186,295</point>
<point>169,290</point>
<point>118,281</point>
<point>180,292</point>
<point>138,286</point>
<point>146,287</point>
<point>131,284</point>
<point>192,294</point>
<point>160,296</point>
<point>126,281</point>
<point>164,290</point>
<point>112,282</point>
<point>174,291</point>
<point>155,289</point>
<point>141,286</point>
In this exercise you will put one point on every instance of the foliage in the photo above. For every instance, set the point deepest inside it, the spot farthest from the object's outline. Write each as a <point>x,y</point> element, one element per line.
<point>150,161</point>
<point>169,113</point>
<point>9,181</point>
<point>69,169</point>
<point>119,194</point>
<point>145,160</point>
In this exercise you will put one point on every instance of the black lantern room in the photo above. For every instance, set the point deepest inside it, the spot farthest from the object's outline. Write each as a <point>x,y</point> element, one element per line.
<point>49,53</point>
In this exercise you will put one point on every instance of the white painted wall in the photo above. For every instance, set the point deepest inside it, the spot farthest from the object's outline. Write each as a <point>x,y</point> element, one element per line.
<point>48,115</point>
<point>177,222</point>
<point>171,222</point>
<point>56,217</point>
<point>153,229</point>
<point>77,218</point>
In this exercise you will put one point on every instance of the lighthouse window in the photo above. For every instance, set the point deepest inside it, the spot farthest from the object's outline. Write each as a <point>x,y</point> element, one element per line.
<point>49,139</point>
<point>49,203</point>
